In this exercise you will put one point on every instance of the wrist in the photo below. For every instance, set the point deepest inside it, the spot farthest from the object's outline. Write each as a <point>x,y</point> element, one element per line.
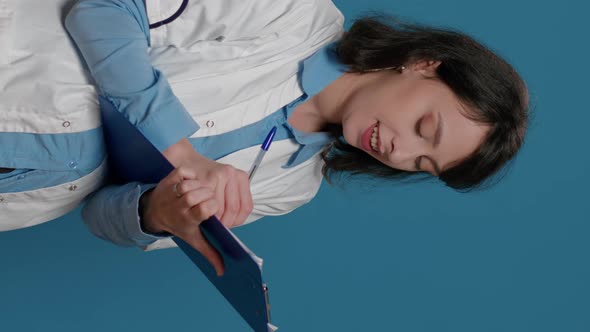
<point>145,220</point>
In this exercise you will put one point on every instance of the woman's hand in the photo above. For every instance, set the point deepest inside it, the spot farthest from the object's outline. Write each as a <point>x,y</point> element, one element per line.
<point>197,189</point>
<point>231,186</point>
<point>178,207</point>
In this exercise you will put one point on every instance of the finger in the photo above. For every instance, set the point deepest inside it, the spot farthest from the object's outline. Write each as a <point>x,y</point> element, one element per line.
<point>246,203</point>
<point>195,197</point>
<point>188,185</point>
<point>204,210</point>
<point>232,202</point>
<point>223,175</point>
<point>179,174</point>
<point>220,197</point>
<point>186,172</point>
<point>200,243</point>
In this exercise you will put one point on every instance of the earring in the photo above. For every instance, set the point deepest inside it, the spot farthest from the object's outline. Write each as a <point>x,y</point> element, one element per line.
<point>398,68</point>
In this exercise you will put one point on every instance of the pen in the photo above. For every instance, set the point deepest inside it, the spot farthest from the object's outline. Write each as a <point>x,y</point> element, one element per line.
<point>263,148</point>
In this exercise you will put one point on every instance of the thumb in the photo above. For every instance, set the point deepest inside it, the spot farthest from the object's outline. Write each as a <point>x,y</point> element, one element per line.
<point>200,243</point>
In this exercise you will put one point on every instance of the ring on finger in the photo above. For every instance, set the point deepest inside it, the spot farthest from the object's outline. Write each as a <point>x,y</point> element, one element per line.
<point>175,189</point>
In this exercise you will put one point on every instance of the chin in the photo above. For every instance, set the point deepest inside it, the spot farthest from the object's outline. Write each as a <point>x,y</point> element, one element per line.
<point>350,139</point>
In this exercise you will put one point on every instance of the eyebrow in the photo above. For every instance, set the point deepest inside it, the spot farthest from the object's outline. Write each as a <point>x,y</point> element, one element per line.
<point>438,132</point>
<point>437,135</point>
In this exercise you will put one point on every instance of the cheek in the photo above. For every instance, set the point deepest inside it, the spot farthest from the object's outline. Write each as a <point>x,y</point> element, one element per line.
<point>353,127</point>
<point>358,114</point>
<point>400,115</point>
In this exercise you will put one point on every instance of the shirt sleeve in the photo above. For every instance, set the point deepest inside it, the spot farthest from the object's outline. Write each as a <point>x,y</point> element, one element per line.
<point>113,38</point>
<point>112,214</point>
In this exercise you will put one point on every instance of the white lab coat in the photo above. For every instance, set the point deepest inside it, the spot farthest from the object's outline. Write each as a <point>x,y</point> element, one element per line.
<point>230,63</point>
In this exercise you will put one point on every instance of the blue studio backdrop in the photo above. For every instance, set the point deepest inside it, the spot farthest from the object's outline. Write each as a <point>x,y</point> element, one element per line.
<point>371,257</point>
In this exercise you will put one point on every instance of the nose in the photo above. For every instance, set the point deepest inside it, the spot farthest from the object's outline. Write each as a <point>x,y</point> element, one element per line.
<point>405,150</point>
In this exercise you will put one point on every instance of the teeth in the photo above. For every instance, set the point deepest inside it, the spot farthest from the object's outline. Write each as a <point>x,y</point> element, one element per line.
<point>374,139</point>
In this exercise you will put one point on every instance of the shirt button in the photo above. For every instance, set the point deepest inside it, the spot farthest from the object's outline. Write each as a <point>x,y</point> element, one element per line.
<point>1,199</point>
<point>220,38</point>
<point>210,124</point>
<point>73,164</point>
<point>73,187</point>
<point>66,124</point>
<point>20,177</point>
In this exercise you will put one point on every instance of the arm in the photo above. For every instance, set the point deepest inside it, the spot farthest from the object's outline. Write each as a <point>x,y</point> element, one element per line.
<point>112,215</point>
<point>113,38</point>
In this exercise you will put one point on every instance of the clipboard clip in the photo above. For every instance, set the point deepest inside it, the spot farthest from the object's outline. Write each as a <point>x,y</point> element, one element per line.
<point>266,299</point>
<point>270,327</point>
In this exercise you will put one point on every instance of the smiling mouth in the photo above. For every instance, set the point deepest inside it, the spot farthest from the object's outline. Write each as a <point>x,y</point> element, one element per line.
<point>375,138</point>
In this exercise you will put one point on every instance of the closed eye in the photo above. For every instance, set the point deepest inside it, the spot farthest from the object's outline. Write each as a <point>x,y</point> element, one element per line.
<point>417,129</point>
<point>418,126</point>
<point>436,141</point>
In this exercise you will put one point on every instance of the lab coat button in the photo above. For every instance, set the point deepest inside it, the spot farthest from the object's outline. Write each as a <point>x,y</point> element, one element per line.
<point>210,124</point>
<point>220,38</point>
<point>73,164</point>
<point>66,124</point>
<point>73,187</point>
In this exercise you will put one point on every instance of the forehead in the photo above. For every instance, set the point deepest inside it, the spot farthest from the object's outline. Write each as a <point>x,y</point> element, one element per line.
<point>461,136</point>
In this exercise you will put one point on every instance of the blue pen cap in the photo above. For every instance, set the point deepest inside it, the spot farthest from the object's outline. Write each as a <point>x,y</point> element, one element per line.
<point>269,139</point>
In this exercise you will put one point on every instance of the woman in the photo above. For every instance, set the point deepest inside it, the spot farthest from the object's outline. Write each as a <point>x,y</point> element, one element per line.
<point>383,100</point>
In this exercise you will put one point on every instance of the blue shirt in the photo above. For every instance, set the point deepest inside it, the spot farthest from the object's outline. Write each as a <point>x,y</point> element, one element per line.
<point>46,160</point>
<point>112,213</point>
<point>124,76</point>
<point>113,38</point>
<point>316,73</point>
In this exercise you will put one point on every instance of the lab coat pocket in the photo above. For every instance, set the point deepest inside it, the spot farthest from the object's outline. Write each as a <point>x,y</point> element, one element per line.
<point>6,18</point>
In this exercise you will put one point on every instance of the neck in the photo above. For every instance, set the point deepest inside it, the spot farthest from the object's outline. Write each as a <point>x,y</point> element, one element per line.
<point>326,107</point>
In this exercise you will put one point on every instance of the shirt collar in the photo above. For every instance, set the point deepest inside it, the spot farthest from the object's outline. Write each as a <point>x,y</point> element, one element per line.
<point>316,73</point>
<point>321,69</point>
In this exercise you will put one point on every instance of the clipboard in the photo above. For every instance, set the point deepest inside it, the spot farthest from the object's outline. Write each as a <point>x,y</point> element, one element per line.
<point>133,158</point>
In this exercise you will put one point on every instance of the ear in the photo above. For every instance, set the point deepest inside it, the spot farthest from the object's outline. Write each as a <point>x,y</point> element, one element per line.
<point>426,68</point>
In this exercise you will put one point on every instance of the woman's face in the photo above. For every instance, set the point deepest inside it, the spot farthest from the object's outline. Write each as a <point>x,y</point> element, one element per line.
<point>410,121</point>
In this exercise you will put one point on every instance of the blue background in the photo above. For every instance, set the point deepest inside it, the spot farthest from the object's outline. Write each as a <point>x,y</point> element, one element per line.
<point>373,257</point>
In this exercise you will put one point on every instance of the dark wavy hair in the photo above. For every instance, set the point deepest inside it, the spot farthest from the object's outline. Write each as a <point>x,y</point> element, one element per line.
<point>493,91</point>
